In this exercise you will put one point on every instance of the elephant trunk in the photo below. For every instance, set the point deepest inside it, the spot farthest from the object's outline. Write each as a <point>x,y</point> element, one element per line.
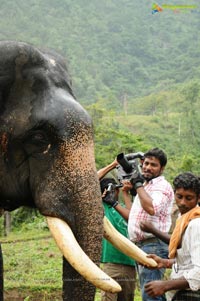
<point>77,258</point>
<point>88,220</point>
<point>78,203</point>
<point>1,275</point>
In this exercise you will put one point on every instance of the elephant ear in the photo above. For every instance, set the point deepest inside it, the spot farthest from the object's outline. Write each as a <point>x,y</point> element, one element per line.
<point>6,80</point>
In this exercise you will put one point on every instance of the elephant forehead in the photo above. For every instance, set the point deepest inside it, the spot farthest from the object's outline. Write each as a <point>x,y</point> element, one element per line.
<point>35,89</point>
<point>55,107</point>
<point>62,111</point>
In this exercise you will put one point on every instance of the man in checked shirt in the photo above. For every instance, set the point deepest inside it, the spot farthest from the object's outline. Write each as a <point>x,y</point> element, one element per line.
<point>153,203</point>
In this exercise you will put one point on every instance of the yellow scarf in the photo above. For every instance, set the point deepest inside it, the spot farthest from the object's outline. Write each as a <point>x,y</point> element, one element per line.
<point>179,229</point>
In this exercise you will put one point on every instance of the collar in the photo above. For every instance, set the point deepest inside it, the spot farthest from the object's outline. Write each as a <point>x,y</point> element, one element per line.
<point>154,180</point>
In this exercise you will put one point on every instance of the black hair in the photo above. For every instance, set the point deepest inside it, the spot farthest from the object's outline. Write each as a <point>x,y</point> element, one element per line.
<point>187,180</point>
<point>104,183</point>
<point>157,153</point>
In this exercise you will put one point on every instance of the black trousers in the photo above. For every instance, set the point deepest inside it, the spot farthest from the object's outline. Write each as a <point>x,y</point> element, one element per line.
<point>187,295</point>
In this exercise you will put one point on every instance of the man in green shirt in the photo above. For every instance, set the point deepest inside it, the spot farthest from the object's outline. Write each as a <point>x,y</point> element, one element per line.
<point>116,264</point>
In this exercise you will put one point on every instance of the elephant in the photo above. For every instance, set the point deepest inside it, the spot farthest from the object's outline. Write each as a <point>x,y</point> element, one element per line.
<point>47,159</point>
<point>1,275</point>
<point>47,162</point>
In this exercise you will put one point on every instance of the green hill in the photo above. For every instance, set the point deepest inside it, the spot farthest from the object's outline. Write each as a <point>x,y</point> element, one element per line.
<point>115,48</point>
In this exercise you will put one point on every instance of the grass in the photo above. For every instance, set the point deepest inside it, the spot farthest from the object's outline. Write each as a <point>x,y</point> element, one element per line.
<point>33,267</point>
<point>32,264</point>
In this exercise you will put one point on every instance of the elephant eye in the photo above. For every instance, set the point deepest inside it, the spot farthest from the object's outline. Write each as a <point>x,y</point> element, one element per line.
<point>38,136</point>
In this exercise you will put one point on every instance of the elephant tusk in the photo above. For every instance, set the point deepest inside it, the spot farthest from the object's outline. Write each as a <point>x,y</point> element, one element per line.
<point>73,253</point>
<point>125,245</point>
<point>47,149</point>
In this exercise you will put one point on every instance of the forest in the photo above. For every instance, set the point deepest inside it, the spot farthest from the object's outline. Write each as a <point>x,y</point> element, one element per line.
<point>115,49</point>
<point>136,72</point>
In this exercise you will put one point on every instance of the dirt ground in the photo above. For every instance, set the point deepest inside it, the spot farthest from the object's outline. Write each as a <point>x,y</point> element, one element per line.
<point>16,295</point>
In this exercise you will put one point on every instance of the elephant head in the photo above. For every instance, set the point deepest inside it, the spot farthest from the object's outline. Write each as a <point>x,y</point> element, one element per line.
<point>47,159</point>
<point>47,162</point>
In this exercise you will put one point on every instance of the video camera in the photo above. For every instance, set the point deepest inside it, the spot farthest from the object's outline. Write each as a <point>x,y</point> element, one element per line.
<point>109,198</point>
<point>129,165</point>
<point>112,187</point>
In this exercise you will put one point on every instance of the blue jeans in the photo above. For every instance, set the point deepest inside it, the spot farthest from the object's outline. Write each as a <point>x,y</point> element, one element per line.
<point>146,275</point>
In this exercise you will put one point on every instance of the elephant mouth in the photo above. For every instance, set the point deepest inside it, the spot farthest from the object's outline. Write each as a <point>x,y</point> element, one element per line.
<point>64,238</point>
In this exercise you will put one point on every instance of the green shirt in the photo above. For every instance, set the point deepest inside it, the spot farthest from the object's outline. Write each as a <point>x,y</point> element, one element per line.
<point>109,252</point>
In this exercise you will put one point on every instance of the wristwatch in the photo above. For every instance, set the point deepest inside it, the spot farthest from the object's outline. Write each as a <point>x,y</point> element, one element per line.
<point>115,204</point>
<point>138,185</point>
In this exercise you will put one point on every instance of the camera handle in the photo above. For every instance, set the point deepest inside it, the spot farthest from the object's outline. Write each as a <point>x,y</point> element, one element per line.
<point>122,160</point>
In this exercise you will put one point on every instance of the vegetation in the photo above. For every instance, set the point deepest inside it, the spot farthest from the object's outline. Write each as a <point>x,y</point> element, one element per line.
<point>136,73</point>
<point>33,265</point>
<point>169,120</point>
<point>116,49</point>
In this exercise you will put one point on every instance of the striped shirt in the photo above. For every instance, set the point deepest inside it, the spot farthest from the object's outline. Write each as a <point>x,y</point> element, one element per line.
<point>162,195</point>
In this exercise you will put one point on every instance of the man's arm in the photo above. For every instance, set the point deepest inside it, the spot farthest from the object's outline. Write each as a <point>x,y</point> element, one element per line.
<point>149,227</point>
<point>191,277</point>
<point>127,198</point>
<point>103,171</point>
<point>158,288</point>
<point>124,211</point>
<point>145,200</point>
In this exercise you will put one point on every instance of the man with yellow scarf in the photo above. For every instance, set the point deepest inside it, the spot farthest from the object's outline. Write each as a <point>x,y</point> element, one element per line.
<point>184,246</point>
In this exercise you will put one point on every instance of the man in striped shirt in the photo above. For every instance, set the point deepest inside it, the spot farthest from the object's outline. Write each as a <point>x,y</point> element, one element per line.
<point>153,203</point>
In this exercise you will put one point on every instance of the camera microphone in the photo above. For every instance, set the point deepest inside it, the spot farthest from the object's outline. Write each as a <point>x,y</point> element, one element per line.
<point>122,160</point>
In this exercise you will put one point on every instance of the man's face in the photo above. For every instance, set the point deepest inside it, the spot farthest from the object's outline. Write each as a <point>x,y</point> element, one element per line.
<point>151,168</point>
<point>186,199</point>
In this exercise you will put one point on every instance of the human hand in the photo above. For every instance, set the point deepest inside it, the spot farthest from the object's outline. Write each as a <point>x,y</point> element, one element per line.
<point>160,261</point>
<point>115,162</point>
<point>127,186</point>
<point>146,226</point>
<point>109,197</point>
<point>155,288</point>
<point>137,179</point>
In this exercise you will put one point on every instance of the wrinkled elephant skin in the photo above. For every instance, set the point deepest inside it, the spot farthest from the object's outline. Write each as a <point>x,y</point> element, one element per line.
<point>47,152</point>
